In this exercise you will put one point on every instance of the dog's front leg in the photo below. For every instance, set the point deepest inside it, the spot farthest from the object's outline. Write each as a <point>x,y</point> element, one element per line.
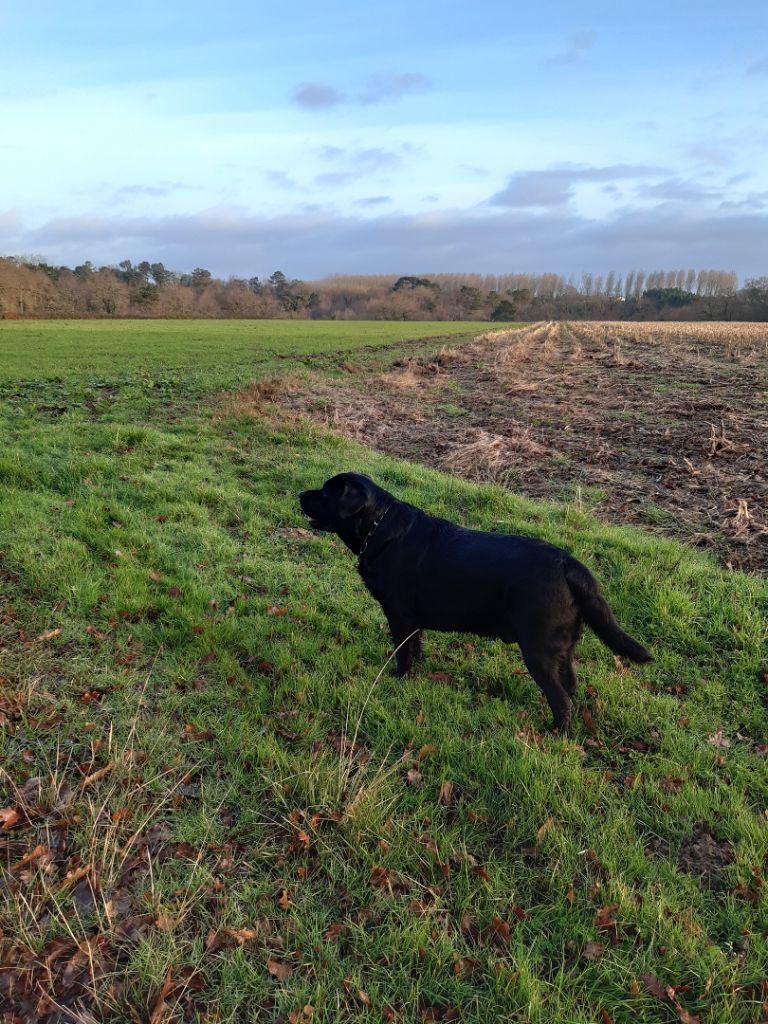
<point>407,641</point>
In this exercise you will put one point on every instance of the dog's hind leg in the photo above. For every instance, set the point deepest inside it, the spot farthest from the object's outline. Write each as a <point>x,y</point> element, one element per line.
<point>547,671</point>
<point>417,650</point>
<point>568,679</point>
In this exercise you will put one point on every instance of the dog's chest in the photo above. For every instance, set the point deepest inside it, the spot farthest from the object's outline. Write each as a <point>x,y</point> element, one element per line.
<point>378,581</point>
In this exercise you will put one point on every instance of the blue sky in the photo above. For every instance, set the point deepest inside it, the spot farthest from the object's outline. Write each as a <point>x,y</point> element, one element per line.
<point>414,138</point>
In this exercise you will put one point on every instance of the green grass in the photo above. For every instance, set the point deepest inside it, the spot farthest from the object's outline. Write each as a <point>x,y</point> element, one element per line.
<point>447,409</point>
<point>222,661</point>
<point>215,353</point>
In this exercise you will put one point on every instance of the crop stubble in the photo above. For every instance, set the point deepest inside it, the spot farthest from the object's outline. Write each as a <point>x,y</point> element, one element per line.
<point>664,425</point>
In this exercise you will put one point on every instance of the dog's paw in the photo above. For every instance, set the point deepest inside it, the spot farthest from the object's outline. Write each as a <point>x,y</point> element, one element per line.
<point>562,726</point>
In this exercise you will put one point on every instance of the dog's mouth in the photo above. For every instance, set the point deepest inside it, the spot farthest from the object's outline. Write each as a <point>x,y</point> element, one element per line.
<point>318,524</point>
<point>310,507</point>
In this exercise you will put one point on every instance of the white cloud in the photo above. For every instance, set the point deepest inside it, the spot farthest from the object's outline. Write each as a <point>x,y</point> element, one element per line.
<point>317,96</point>
<point>379,88</point>
<point>316,241</point>
<point>556,186</point>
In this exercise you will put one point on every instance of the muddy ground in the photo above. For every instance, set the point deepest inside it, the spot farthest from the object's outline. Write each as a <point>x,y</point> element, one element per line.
<point>660,425</point>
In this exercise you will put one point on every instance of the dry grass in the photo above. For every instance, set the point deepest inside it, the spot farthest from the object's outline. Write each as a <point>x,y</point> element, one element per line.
<point>490,456</point>
<point>80,898</point>
<point>738,340</point>
<point>406,379</point>
<point>255,400</point>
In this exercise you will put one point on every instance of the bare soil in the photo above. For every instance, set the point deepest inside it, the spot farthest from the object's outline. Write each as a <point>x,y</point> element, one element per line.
<point>660,425</point>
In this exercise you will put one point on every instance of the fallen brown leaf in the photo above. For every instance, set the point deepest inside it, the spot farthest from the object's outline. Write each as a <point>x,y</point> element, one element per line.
<point>748,893</point>
<point>302,1016</point>
<point>605,918</point>
<point>653,986</point>
<point>9,817</point>
<point>684,1016</point>
<point>548,825</point>
<point>194,734</point>
<point>242,935</point>
<point>593,950</point>
<point>216,940</point>
<point>444,1013</point>
<point>446,797</point>
<point>279,969</point>
<point>465,966</point>
<point>467,925</point>
<point>480,871</point>
<point>49,634</point>
<point>589,722</point>
<point>159,1004</point>
<point>33,855</point>
<point>73,877</point>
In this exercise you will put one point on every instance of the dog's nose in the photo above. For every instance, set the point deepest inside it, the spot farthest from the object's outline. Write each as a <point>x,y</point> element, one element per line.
<point>301,495</point>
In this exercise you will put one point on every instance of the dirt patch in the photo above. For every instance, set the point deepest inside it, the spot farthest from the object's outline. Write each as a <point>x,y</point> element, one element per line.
<point>705,856</point>
<point>661,425</point>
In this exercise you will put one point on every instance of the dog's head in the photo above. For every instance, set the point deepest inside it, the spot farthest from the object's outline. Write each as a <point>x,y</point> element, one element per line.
<point>347,504</point>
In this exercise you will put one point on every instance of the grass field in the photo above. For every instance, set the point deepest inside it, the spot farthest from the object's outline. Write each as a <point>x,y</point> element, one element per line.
<point>219,806</point>
<point>207,353</point>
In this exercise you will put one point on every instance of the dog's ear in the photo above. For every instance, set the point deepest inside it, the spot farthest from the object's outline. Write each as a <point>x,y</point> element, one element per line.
<point>352,499</point>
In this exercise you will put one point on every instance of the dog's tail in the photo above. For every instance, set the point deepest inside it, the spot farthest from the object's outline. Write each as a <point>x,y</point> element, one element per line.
<point>598,614</point>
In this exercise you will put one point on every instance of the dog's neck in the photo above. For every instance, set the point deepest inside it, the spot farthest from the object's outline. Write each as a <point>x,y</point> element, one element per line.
<point>374,527</point>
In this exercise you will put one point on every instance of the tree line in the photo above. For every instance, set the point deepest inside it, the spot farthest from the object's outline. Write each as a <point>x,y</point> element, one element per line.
<point>31,287</point>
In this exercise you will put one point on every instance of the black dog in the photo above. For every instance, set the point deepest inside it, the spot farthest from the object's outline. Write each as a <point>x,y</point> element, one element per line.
<point>428,573</point>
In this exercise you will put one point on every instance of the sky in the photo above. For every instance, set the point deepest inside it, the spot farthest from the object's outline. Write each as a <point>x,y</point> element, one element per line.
<point>408,138</point>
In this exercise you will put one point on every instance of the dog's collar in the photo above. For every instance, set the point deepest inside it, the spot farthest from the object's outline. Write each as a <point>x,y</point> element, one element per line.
<point>373,529</point>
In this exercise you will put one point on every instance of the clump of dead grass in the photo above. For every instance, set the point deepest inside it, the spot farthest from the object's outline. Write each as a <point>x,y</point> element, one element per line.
<point>259,399</point>
<point>490,456</point>
<point>405,379</point>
